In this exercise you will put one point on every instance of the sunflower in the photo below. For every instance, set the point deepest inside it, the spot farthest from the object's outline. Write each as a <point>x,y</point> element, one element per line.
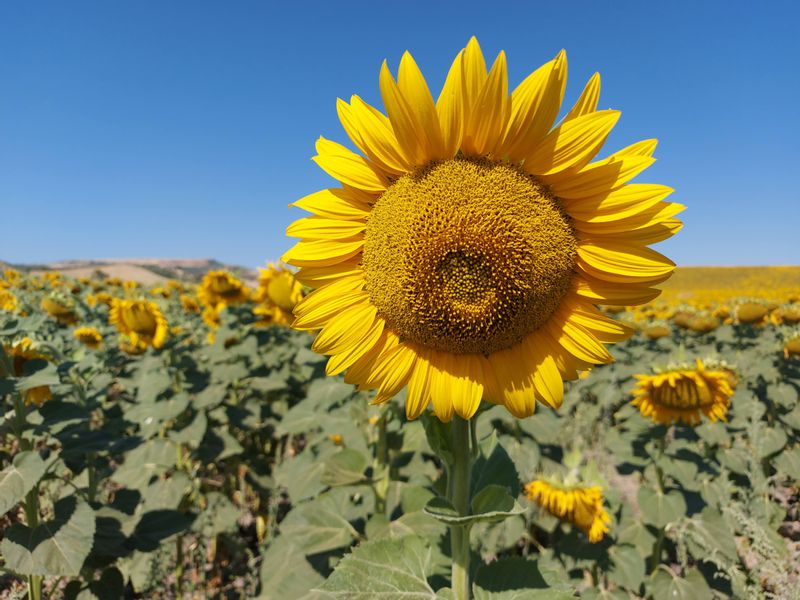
<point>752,313</point>
<point>141,321</point>
<point>8,301</point>
<point>22,352</point>
<point>189,303</point>
<point>581,506</point>
<point>89,337</point>
<point>211,317</point>
<point>655,331</point>
<point>277,295</point>
<point>791,345</point>
<point>685,394</point>
<point>465,251</point>
<point>222,288</point>
<point>61,308</point>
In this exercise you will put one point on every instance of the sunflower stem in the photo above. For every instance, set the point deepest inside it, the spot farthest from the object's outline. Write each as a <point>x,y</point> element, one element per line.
<point>459,495</point>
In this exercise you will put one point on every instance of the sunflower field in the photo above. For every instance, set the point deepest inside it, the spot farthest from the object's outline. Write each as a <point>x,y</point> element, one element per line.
<point>224,463</point>
<point>465,382</point>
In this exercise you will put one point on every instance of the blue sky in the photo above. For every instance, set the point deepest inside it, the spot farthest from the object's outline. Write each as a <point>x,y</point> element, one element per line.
<point>183,129</point>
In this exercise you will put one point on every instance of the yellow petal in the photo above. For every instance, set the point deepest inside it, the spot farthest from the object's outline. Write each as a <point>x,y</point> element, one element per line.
<point>534,106</point>
<point>613,294</point>
<point>348,167</point>
<point>572,144</point>
<point>333,203</point>
<point>587,103</point>
<point>415,90</point>
<point>473,74</point>
<point>339,362</point>
<point>513,372</point>
<point>418,395</point>
<point>320,253</point>
<point>622,202</point>
<point>603,328</point>
<point>487,116</point>
<point>320,228</point>
<point>450,108</point>
<point>623,263</point>
<point>643,148</point>
<point>441,385</point>
<point>319,276</point>
<point>312,316</point>
<point>372,133</point>
<point>598,178</point>
<point>629,220</point>
<point>346,330</point>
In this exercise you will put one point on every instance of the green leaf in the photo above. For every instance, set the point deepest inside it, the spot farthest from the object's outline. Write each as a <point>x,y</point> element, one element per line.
<point>660,509</point>
<point>788,463</point>
<point>385,570</point>
<point>769,440</point>
<point>493,503</point>
<point>219,516</point>
<point>508,574</point>
<point>318,526</point>
<point>345,467</point>
<point>714,533</point>
<point>668,586</point>
<point>47,375</point>
<point>494,467</point>
<point>152,384</point>
<point>439,437</point>
<point>144,462</point>
<point>628,568</point>
<point>301,476</point>
<point>56,547</point>
<point>285,572</point>
<point>18,478</point>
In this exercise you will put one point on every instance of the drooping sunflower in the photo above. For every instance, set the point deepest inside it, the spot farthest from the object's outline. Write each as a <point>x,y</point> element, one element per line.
<point>60,307</point>
<point>685,394</point>
<point>465,250</point>
<point>89,337</point>
<point>277,295</point>
<point>21,352</point>
<point>791,345</point>
<point>139,320</point>
<point>579,505</point>
<point>656,330</point>
<point>189,303</point>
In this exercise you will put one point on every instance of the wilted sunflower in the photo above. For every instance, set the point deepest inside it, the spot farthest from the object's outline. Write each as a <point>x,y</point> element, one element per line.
<point>465,251</point>
<point>581,506</point>
<point>140,320</point>
<point>656,331</point>
<point>89,336</point>
<point>685,394</point>
<point>277,295</point>
<point>21,352</point>
<point>221,287</point>
<point>61,308</point>
<point>8,301</point>
<point>752,313</point>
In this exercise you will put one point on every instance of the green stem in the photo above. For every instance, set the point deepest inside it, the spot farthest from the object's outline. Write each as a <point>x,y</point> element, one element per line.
<point>658,544</point>
<point>31,507</point>
<point>179,566</point>
<point>381,466</point>
<point>459,496</point>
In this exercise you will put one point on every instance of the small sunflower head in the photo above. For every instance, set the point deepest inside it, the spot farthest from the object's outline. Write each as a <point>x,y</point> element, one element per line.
<point>189,303</point>
<point>703,323</point>
<point>140,320</point>
<point>8,301</point>
<point>791,345</point>
<point>222,287</point>
<point>684,394</point>
<point>579,505</point>
<point>161,292</point>
<point>128,346</point>
<point>89,337</point>
<point>656,330</point>
<point>789,313</point>
<point>752,313</point>
<point>22,352</point>
<point>12,276</point>
<point>60,307</point>
<point>277,286</point>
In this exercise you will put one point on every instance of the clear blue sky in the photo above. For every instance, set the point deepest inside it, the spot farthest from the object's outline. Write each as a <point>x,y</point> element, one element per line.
<point>184,128</point>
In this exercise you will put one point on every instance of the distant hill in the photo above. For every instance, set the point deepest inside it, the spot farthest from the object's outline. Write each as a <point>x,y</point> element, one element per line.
<point>148,271</point>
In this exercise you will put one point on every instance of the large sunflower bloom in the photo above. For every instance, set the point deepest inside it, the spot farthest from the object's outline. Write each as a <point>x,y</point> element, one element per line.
<point>685,394</point>
<point>581,506</point>
<point>140,320</point>
<point>222,288</point>
<point>21,352</point>
<point>465,251</point>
